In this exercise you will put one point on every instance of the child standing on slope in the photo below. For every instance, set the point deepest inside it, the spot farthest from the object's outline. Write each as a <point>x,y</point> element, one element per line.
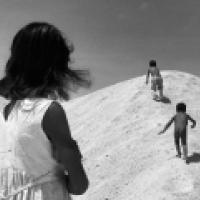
<point>156,80</point>
<point>42,162</point>
<point>180,129</point>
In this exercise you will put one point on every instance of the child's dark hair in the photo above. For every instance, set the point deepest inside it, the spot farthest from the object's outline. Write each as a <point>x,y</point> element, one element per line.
<point>39,64</point>
<point>181,107</point>
<point>152,63</point>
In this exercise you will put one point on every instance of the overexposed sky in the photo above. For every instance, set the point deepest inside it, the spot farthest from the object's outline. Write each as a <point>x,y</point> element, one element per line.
<point>115,39</point>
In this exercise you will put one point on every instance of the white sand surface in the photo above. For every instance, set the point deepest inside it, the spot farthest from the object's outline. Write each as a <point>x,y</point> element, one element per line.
<point>116,128</point>
<point>125,159</point>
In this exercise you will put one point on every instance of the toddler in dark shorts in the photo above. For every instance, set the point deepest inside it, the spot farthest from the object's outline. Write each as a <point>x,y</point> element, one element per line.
<point>180,120</point>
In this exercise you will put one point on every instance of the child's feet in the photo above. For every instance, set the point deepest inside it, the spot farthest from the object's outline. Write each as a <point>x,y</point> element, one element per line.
<point>155,96</point>
<point>185,157</point>
<point>159,97</point>
<point>187,161</point>
<point>178,155</point>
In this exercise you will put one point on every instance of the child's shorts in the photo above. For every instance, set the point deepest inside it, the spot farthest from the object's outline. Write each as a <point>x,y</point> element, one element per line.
<point>157,83</point>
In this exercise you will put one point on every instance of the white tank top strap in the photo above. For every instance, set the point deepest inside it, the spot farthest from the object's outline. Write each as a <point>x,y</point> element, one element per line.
<point>39,105</point>
<point>28,140</point>
<point>26,161</point>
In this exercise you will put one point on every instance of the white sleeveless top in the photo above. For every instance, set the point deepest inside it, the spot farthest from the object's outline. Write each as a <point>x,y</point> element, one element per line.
<point>27,168</point>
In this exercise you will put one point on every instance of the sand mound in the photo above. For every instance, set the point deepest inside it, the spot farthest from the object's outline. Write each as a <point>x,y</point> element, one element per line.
<point>117,128</point>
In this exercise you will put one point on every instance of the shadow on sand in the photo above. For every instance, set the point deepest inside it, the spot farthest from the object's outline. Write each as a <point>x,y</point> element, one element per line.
<point>194,158</point>
<point>166,100</point>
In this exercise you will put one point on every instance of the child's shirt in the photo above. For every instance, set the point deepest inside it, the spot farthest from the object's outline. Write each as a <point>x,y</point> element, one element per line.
<point>27,168</point>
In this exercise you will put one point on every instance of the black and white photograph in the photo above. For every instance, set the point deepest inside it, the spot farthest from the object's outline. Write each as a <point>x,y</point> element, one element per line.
<point>99,100</point>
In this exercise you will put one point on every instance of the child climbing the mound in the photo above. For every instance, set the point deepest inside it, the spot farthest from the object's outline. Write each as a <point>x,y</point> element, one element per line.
<point>156,80</point>
<point>43,162</point>
<point>180,120</point>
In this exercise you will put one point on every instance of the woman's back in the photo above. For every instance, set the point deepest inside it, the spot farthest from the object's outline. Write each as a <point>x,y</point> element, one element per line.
<point>38,67</point>
<point>30,168</point>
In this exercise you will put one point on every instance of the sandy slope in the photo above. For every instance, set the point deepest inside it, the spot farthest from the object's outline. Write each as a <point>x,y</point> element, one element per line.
<point>117,128</point>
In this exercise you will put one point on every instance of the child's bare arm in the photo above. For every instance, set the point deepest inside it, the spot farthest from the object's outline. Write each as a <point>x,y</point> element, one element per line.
<point>159,73</point>
<point>192,120</point>
<point>65,150</point>
<point>167,125</point>
<point>147,76</point>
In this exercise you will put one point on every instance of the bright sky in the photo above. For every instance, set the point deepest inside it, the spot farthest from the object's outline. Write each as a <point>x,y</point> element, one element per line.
<point>115,39</point>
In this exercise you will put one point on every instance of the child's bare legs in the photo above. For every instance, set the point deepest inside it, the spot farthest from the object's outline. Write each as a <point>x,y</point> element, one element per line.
<point>153,94</point>
<point>177,145</point>
<point>161,93</point>
<point>185,152</point>
<point>160,87</point>
<point>153,88</point>
<point>184,146</point>
<point>178,150</point>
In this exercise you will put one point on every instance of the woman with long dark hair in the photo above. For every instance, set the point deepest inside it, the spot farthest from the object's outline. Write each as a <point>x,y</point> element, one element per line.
<point>43,161</point>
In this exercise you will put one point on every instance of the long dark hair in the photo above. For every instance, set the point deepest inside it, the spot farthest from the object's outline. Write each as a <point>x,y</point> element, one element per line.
<point>39,64</point>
